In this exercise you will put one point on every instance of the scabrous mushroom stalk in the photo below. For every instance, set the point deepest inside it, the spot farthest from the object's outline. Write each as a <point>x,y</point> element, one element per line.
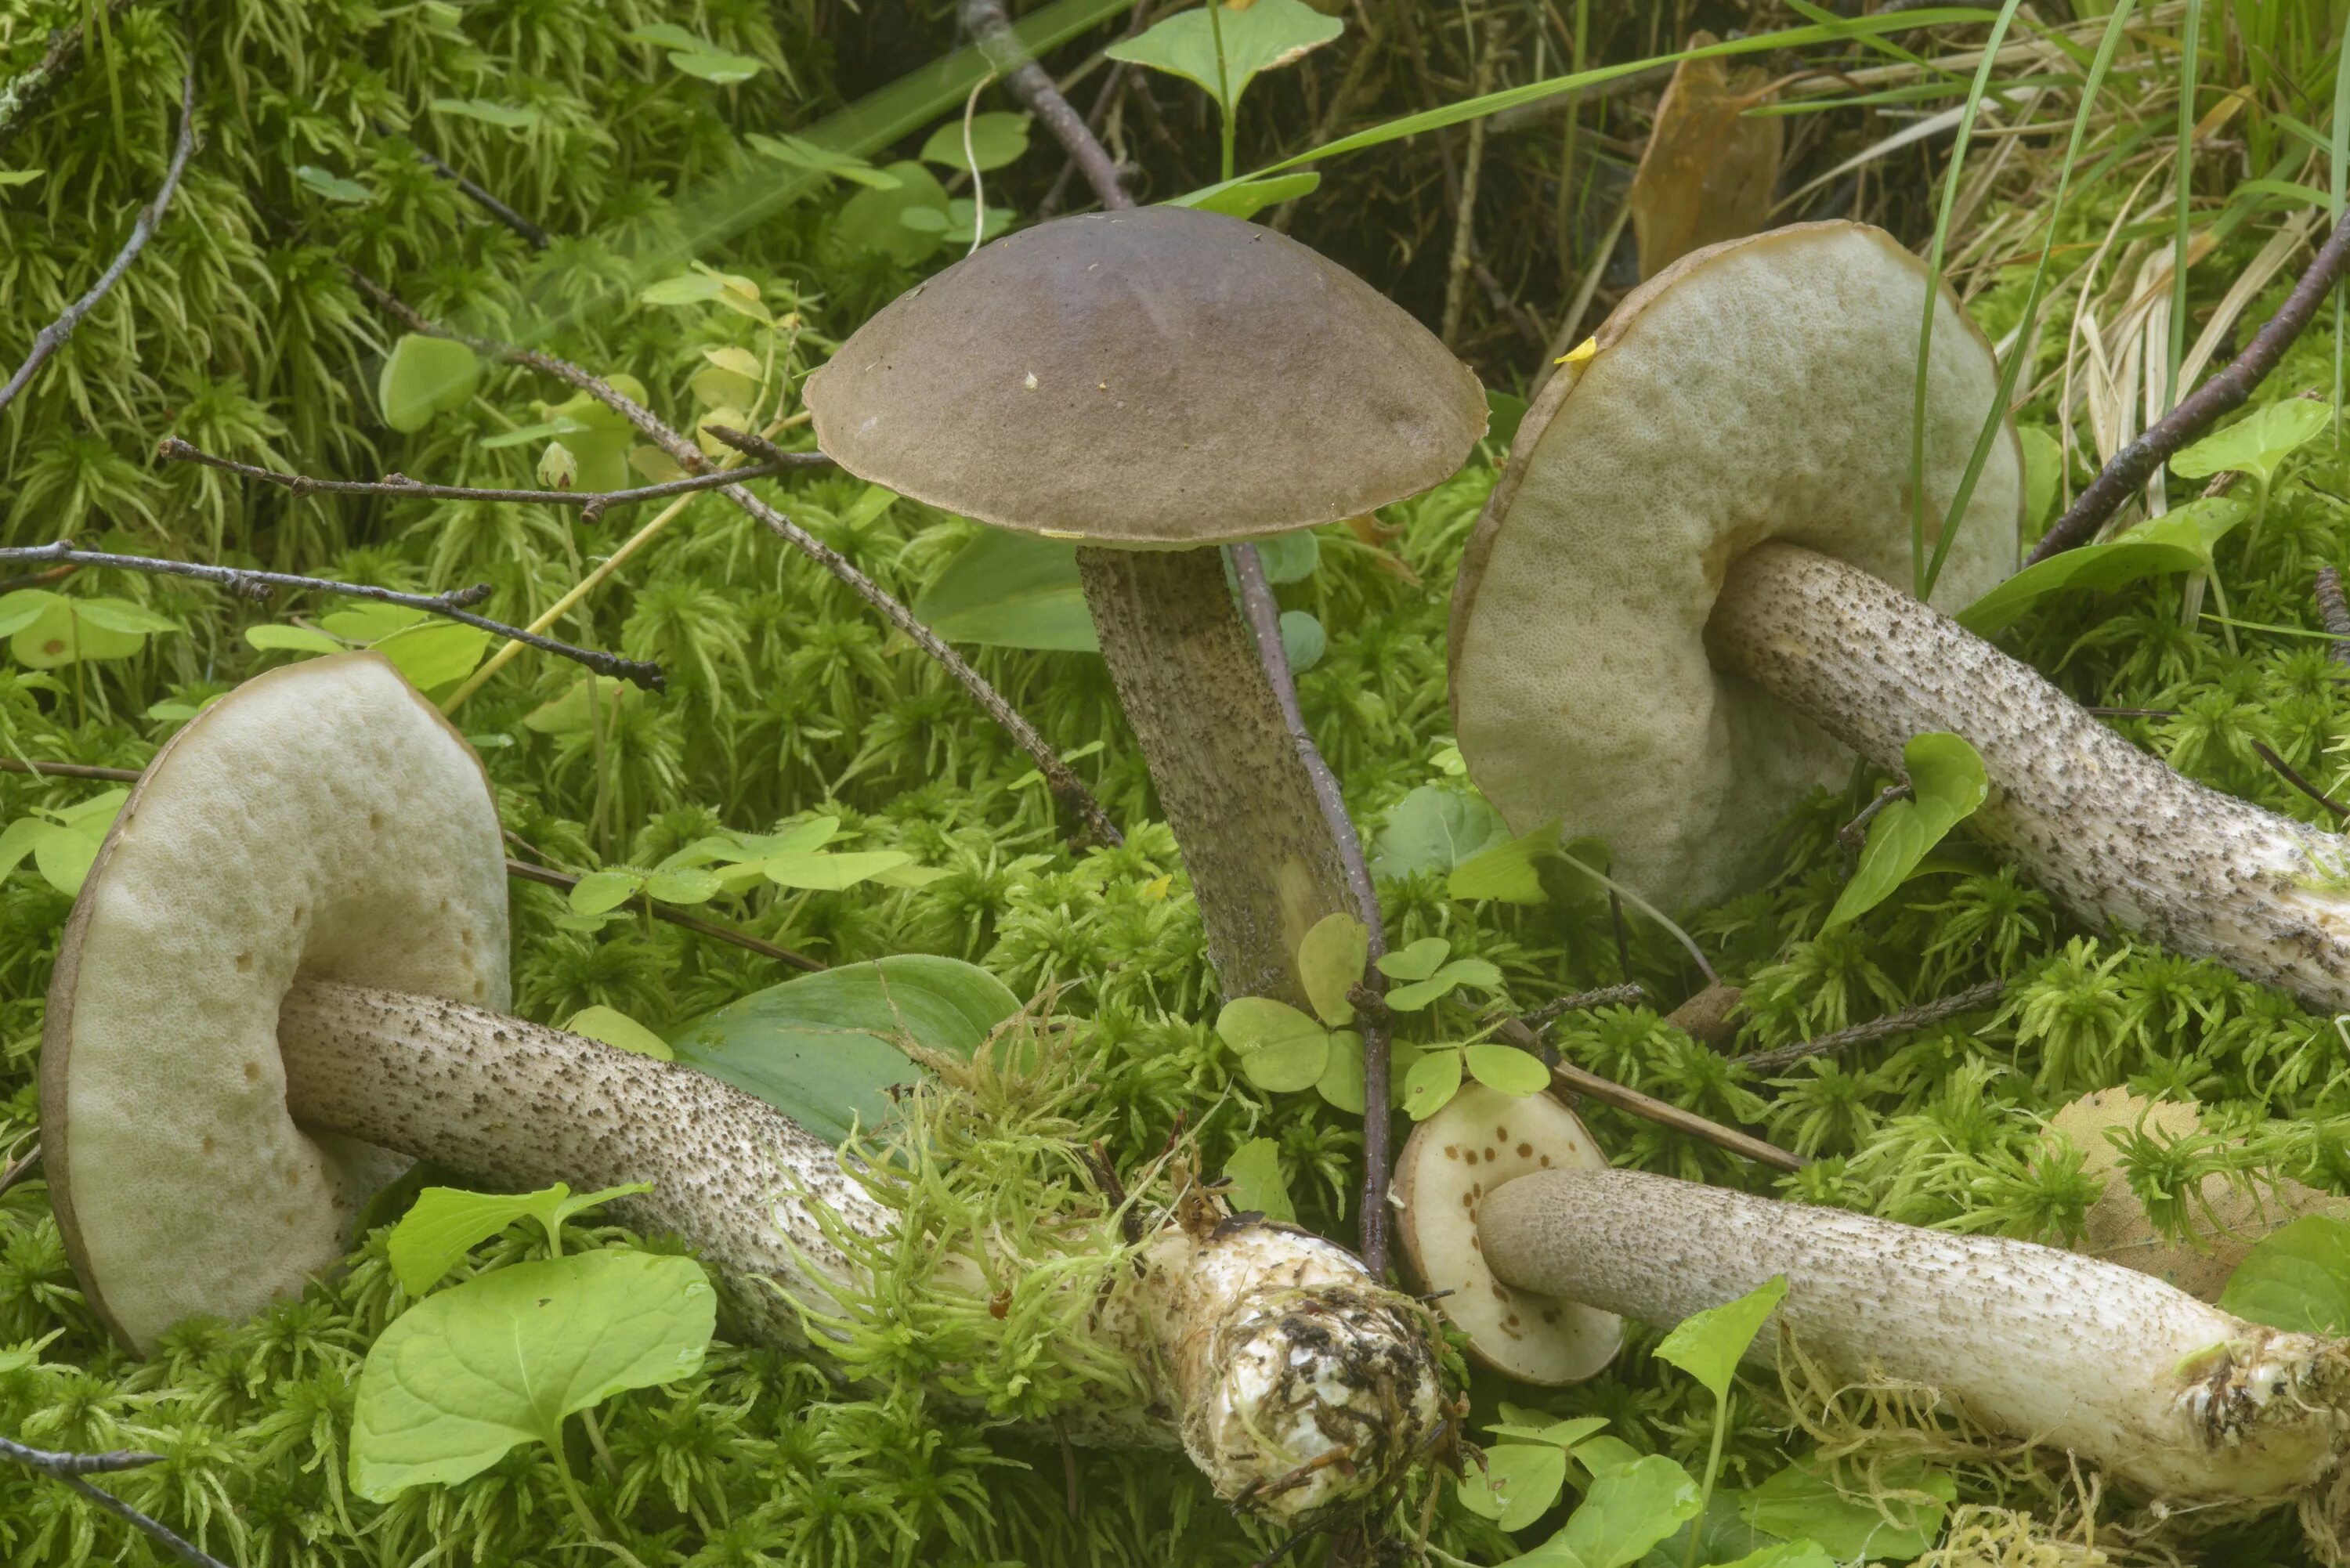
<point>2178,1399</point>
<point>2114,834</point>
<point>1290,1376</point>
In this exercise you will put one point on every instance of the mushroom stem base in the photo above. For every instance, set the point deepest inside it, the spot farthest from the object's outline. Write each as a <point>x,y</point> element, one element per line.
<point>2111,831</point>
<point>1263,863</point>
<point>1292,1379</point>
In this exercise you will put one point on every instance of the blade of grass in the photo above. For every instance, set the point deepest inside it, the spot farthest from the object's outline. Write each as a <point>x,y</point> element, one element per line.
<point>2187,67</point>
<point>1934,298</point>
<point>1996,415</point>
<point>2338,162</point>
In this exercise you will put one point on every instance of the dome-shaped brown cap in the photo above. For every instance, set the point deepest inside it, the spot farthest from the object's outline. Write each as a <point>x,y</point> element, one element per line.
<point>1160,376</point>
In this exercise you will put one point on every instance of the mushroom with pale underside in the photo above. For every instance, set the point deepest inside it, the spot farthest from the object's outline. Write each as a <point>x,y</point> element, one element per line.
<point>1677,612</point>
<point>284,974</point>
<point>2175,1400</point>
<point>1153,384</point>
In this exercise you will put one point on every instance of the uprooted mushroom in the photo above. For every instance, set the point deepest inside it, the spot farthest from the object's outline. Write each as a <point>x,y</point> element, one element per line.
<point>285,976</point>
<point>1154,384</point>
<point>2174,1398</point>
<point>1681,579</point>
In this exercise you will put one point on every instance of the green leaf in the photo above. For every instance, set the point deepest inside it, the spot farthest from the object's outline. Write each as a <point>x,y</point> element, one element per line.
<point>716,65</point>
<point>601,890</point>
<point>681,885</point>
<point>1432,1081</point>
<point>1342,1082</point>
<point>801,153</point>
<point>122,616</point>
<point>1477,972</point>
<point>1257,1184</point>
<point>826,1049</point>
<point>1709,1345</point>
<point>2297,1277</point>
<point>1506,1070</point>
<point>1268,34</point>
<point>1417,962</point>
<point>1784,1555</point>
<point>1518,1484</point>
<point>2258,443</point>
<point>1011,590</point>
<point>1947,782</point>
<point>1303,640</point>
<point>2043,475</point>
<point>507,115</point>
<point>830,873</point>
<point>24,607</point>
<point>666,36</point>
<point>1281,1049</point>
<point>997,138</point>
<point>617,1028</point>
<point>16,840</point>
<point>872,220</point>
<point>466,1374</point>
<point>13,176</point>
<point>424,377</point>
<point>1506,872</point>
<point>445,1223</point>
<point>292,640</point>
<point>2178,541</point>
<point>685,288</point>
<point>1244,198</point>
<point>1803,1501</point>
<point>1628,1510</point>
<point>331,186</point>
<point>1330,962</point>
<point>1435,829</point>
<point>1289,558</point>
<point>435,654</point>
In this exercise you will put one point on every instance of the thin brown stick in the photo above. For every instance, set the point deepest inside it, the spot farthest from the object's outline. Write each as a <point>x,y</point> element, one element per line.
<point>1630,994</point>
<point>1113,88</point>
<point>1901,1022</point>
<point>1573,1080</point>
<point>52,338</point>
<point>594,503</point>
<point>991,30</point>
<point>1464,206</point>
<point>68,1470</point>
<point>16,1173</point>
<point>1852,835</point>
<point>28,95</point>
<point>1264,617</point>
<point>2285,771</point>
<point>547,878</point>
<point>69,770</point>
<point>2223,393</point>
<point>258,586</point>
<point>2334,612</point>
<point>1059,777</point>
<point>537,238</point>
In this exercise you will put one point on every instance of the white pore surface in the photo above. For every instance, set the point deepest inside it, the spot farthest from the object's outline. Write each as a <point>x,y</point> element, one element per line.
<point>1755,390</point>
<point>322,820</point>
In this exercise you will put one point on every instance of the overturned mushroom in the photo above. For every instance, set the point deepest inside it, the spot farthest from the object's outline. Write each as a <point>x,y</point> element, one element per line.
<point>295,937</point>
<point>1154,384</point>
<point>2179,1400</point>
<point>1682,579</point>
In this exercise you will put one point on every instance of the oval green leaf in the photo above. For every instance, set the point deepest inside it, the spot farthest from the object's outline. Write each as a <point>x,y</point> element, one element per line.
<point>1947,782</point>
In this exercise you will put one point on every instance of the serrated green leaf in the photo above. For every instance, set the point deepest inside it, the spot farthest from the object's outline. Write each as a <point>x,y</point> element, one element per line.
<point>1432,1081</point>
<point>1267,35</point>
<point>1947,782</point>
<point>1506,1070</point>
<point>1709,1345</point>
<point>997,138</point>
<point>1330,961</point>
<point>1257,1185</point>
<point>423,377</point>
<point>464,1376</point>
<point>2296,1277</point>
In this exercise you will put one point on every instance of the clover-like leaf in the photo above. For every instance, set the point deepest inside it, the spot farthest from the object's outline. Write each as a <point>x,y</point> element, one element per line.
<point>1417,962</point>
<point>997,138</point>
<point>1506,1070</point>
<point>1432,1081</point>
<point>466,1374</point>
<point>424,377</point>
<point>1330,960</point>
<point>1626,1512</point>
<point>1478,974</point>
<point>1281,1049</point>
<point>1342,1081</point>
<point>599,891</point>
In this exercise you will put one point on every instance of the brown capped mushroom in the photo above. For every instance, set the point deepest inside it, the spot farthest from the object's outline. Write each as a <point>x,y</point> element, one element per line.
<point>1153,384</point>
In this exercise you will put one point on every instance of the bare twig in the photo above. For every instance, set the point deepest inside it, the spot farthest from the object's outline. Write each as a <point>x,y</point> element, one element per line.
<point>2334,612</point>
<point>68,1470</point>
<point>69,770</point>
<point>546,876</point>
<point>2285,771</point>
<point>1627,995</point>
<point>1464,205</point>
<point>1264,617</point>
<point>1059,777</point>
<point>991,30</point>
<point>2226,391</point>
<point>24,1166</point>
<point>774,460</point>
<point>1852,835</point>
<point>28,94</point>
<point>1114,82</point>
<point>1901,1022</point>
<point>258,586</point>
<point>52,338</point>
<point>537,237</point>
<point>1573,1080</point>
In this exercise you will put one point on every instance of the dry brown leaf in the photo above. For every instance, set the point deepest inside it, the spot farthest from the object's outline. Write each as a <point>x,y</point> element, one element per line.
<point>1708,170</point>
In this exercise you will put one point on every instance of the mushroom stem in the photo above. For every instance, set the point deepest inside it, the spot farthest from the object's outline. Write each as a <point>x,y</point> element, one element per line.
<point>2115,835</point>
<point>2175,1398</point>
<point>1263,863</point>
<point>1292,1378</point>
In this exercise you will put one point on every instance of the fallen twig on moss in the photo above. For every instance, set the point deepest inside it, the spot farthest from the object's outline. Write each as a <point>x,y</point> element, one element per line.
<point>68,1469</point>
<point>52,338</point>
<point>1901,1022</point>
<point>537,238</point>
<point>28,94</point>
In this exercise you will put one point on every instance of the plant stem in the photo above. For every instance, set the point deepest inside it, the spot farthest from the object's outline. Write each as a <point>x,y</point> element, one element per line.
<point>1230,110</point>
<point>68,1469</point>
<point>1712,1470</point>
<point>991,30</point>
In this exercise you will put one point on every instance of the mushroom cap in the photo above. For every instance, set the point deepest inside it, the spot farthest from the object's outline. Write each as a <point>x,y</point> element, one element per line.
<point>1479,1140</point>
<point>1160,376</point>
<point>1756,389</point>
<point>321,820</point>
